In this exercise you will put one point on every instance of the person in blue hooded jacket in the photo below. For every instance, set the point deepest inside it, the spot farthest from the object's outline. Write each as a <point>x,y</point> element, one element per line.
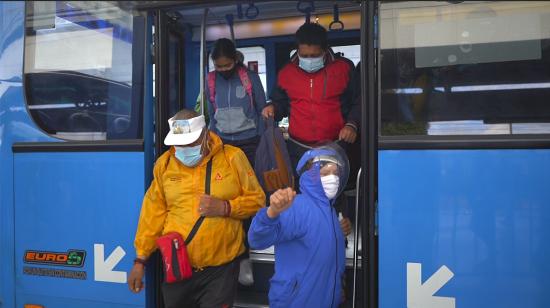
<point>309,243</point>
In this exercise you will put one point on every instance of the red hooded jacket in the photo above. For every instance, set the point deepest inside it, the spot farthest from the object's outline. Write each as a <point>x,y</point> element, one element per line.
<point>319,104</point>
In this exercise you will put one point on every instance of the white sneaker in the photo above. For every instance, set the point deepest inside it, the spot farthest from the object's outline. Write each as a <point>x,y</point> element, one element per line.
<point>246,278</point>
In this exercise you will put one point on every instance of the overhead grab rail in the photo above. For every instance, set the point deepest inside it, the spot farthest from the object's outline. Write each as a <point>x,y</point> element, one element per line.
<point>336,21</point>
<point>252,11</point>
<point>229,20</point>
<point>202,60</point>
<point>306,7</point>
<point>240,11</point>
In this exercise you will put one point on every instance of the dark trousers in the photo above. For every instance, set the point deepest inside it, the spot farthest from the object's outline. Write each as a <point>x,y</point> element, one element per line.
<point>211,287</point>
<point>249,147</point>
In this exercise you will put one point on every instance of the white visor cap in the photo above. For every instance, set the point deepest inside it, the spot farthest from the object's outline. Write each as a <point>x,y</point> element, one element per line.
<point>184,132</point>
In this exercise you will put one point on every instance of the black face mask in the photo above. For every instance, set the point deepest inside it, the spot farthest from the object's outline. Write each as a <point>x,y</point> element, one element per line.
<point>227,74</point>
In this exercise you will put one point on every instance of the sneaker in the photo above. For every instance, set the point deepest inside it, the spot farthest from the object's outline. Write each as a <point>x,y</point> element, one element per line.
<point>246,278</point>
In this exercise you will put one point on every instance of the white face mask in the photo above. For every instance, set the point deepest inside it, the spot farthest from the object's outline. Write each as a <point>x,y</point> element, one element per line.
<point>331,183</point>
<point>311,65</point>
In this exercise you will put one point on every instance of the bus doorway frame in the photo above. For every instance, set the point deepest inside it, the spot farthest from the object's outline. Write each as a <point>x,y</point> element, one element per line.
<point>164,27</point>
<point>368,189</point>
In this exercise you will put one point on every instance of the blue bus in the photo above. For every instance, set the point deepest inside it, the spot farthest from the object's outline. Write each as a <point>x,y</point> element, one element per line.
<point>451,201</point>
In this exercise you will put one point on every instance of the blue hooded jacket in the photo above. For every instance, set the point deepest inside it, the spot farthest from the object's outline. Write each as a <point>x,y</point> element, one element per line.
<point>309,248</point>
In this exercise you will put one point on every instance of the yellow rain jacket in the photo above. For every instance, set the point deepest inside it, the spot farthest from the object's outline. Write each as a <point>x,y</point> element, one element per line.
<point>172,204</point>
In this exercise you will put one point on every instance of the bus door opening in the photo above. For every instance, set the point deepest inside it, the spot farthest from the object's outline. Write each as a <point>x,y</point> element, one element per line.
<point>264,33</point>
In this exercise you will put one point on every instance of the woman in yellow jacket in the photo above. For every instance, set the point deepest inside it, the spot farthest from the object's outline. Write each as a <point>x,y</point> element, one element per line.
<point>175,201</point>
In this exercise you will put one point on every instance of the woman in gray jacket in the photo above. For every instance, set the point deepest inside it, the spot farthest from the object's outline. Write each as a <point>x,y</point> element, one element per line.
<point>236,98</point>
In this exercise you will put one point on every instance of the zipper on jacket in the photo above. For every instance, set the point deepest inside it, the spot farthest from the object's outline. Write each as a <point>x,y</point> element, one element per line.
<point>325,85</point>
<point>229,93</point>
<point>312,107</point>
<point>175,264</point>
<point>229,100</point>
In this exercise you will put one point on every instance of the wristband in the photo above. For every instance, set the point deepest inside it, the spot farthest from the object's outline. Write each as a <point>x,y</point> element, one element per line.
<point>351,125</point>
<point>140,261</point>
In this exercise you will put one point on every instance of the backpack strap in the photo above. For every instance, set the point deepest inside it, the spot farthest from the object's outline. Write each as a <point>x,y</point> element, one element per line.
<point>211,81</point>
<point>206,191</point>
<point>245,80</point>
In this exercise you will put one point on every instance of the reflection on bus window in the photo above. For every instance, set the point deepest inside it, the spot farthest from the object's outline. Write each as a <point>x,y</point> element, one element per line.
<point>472,68</point>
<point>78,70</point>
<point>352,52</point>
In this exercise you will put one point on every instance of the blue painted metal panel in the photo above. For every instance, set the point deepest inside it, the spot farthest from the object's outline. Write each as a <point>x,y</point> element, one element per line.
<point>15,125</point>
<point>72,201</point>
<point>192,72</point>
<point>270,66</point>
<point>40,226</point>
<point>48,301</point>
<point>482,213</point>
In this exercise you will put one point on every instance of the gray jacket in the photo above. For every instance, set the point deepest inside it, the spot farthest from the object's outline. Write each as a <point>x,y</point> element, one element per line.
<point>233,117</point>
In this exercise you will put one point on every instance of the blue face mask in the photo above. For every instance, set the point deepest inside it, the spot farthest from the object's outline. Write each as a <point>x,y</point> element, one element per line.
<point>311,65</point>
<point>189,156</point>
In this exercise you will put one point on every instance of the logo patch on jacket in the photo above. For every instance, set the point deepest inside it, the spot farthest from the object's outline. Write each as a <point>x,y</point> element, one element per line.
<point>175,179</point>
<point>218,177</point>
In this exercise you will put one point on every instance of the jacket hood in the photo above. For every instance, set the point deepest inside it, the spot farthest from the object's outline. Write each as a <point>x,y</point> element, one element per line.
<point>310,184</point>
<point>309,167</point>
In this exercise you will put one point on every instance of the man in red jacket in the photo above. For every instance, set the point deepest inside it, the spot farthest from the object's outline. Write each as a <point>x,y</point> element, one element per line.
<point>314,90</point>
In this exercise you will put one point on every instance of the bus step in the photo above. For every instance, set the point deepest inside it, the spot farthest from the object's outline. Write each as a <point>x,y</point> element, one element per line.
<point>250,299</point>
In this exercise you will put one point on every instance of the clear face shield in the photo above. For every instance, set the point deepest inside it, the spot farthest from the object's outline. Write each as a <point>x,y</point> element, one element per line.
<point>333,165</point>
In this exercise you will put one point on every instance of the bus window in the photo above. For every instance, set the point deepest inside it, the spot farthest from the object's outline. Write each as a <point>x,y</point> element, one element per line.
<point>352,52</point>
<point>251,56</point>
<point>472,68</point>
<point>78,70</point>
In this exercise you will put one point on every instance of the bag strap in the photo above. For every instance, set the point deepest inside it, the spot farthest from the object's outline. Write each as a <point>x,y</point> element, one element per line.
<point>247,85</point>
<point>245,81</point>
<point>211,82</point>
<point>206,191</point>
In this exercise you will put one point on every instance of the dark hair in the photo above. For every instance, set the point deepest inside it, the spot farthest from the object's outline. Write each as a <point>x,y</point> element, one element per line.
<point>224,48</point>
<point>186,114</point>
<point>312,34</point>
